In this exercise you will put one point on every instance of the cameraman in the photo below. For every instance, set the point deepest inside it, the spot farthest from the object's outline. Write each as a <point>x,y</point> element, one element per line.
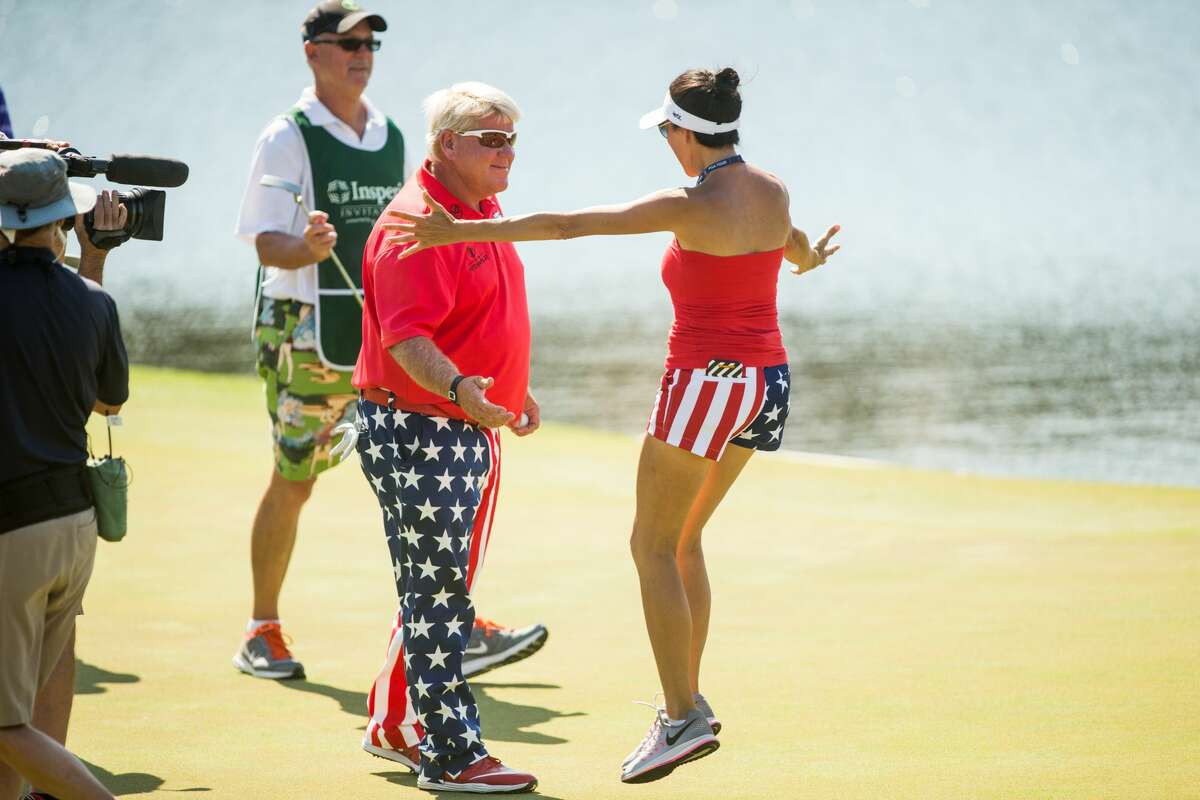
<point>61,357</point>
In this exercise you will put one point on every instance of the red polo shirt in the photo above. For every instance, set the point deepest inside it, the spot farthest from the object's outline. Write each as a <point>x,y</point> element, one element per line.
<point>469,298</point>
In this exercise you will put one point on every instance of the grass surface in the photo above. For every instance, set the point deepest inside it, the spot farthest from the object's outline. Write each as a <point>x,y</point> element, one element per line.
<point>877,632</point>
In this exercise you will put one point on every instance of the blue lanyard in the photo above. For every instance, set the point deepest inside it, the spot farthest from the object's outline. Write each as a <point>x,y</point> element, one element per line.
<point>716,165</point>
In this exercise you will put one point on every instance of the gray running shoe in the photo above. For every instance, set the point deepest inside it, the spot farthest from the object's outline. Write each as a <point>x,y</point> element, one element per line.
<point>669,746</point>
<point>492,646</point>
<point>701,704</point>
<point>706,709</point>
<point>265,654</point>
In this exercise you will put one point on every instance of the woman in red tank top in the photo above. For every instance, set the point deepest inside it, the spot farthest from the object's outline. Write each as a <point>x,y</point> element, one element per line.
<point>726,378</point>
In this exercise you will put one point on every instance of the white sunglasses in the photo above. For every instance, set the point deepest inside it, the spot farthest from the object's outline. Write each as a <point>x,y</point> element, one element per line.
<point>492,138</point>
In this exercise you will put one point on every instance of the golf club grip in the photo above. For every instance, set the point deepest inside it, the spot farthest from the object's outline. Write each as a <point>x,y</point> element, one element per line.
<point>337,262</point>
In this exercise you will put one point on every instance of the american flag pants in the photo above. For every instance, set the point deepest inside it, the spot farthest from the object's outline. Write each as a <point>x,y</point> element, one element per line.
<point>436,480</point>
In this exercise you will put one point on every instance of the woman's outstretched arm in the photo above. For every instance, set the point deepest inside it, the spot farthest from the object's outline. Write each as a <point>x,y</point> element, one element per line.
<point>660,211</point>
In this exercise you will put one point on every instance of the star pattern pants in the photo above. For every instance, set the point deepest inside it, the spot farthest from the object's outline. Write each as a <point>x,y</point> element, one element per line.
<point>436,480</point>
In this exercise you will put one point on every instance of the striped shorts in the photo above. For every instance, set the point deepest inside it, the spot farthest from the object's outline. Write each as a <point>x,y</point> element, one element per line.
<point>702,410</point>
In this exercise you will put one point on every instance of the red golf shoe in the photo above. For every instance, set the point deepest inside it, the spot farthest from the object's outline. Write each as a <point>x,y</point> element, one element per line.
<point>486,776</point>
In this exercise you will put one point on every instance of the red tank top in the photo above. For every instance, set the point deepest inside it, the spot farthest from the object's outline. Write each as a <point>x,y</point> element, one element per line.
<point>724,308</point>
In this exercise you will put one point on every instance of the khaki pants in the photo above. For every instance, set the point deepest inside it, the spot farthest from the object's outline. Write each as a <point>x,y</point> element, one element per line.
<point>44,569</point>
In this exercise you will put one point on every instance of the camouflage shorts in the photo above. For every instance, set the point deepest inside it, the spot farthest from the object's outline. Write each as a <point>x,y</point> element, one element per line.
<point>305,398</point>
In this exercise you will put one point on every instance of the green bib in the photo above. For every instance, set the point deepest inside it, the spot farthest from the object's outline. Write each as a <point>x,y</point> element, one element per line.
<point>353,187</point>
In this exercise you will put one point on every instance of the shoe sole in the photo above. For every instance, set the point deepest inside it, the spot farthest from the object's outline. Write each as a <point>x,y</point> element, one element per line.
<point>390,754</point>
<point>706,747</point>
<point>242,665</point>
<point>514,654</point>
<point>475,788</point>
<point>712,723</point>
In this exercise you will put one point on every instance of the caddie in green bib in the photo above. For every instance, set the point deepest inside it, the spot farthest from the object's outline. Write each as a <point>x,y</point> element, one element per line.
<point>352,186</point>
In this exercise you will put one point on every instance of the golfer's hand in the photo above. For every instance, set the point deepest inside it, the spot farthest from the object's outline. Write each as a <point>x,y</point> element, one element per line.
<point>319,235</point>
<point>473,399</point>
<point>349,432</point>
<point>422,231</point>
<point>533,417</point>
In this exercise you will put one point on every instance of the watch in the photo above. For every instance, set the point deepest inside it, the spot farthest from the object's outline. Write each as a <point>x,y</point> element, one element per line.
<point>453,393</point>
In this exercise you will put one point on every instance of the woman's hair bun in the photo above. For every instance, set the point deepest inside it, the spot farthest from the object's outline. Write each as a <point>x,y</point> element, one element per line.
<point>727,79</point>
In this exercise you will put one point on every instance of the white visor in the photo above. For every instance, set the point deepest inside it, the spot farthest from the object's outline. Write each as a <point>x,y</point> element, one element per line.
<point>669,112</point>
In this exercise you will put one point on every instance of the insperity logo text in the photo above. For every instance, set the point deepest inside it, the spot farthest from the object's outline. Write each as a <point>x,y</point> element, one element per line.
<point>341,192</point>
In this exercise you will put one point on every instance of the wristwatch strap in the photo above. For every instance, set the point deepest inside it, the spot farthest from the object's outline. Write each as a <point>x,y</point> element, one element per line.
<point>453,393</point>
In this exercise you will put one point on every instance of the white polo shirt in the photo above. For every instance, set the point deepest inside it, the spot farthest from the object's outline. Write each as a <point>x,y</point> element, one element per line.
<point>280,151</point>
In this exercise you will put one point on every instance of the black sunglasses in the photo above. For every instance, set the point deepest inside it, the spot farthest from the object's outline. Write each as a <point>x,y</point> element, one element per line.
<point>664,129</point>
<point>351,44</point>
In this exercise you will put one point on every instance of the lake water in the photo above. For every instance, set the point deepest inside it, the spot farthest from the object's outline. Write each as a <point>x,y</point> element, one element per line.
<point>1018,184</point>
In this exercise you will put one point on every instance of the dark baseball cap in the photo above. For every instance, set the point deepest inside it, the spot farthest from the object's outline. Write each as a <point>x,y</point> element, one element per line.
<point>338,16</point>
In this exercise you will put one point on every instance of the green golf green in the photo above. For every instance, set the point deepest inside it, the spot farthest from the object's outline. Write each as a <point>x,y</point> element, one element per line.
<point>878,632</point>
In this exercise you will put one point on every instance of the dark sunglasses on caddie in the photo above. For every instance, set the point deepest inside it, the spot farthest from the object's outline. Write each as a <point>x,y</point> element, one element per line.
<point>350,44</point>
<point>664,129</point>
<point>492,138</point>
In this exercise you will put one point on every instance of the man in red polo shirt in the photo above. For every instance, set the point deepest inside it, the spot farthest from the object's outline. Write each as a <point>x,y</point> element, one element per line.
<point>444,362</point>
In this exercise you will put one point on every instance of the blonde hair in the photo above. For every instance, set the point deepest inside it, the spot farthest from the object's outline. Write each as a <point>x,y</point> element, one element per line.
<point>461,107</point>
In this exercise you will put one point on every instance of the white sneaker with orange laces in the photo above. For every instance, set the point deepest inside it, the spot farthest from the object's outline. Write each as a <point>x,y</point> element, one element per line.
<point>265,654</point>
<point>492,645</point>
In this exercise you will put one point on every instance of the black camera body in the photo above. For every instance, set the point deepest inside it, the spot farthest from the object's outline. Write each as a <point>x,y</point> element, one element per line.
<point>147,210</point>
<point>146,207</point>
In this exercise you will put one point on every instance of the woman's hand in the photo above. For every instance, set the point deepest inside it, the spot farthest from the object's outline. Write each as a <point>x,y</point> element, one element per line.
<point>422,231</point>
<point>807,258</point>
<point>823,250</point>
